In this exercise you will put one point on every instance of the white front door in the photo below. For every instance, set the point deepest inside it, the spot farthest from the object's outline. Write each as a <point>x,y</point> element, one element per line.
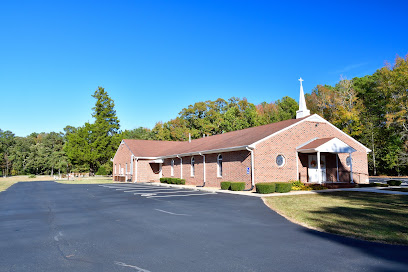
<point>313,171</point>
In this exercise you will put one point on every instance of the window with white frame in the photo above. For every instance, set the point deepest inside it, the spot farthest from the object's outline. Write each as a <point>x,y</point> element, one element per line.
<point>172,167</point>
<point>192,167</point>
<point>115,169</point>
<point>280,160</point>
<point>126,169</point>
<point>219,165</point>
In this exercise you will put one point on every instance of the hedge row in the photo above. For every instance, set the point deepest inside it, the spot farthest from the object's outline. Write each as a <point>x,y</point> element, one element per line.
<point>173,181</point>
<point>394,182</point>
<point>265,188</point>
<point>225,185</point>
<point>237,186</point>
<point>271,187</point>
<point>233,186</point>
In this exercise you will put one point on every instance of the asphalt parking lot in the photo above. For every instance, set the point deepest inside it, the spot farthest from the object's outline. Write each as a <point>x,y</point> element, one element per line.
<point>46,226</point>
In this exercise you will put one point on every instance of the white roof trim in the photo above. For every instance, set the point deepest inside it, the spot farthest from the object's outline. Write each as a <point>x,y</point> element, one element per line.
<point>157,161</point>
<point>123,142</point>
<point>312,118</point>
<point>325,121</point>
<point>302,145</point>
<point>282,130</point>
<point>335,145</point>
<point>220,150</point>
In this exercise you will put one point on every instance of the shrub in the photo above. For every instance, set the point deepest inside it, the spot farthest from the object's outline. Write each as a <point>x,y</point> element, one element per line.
<point>316,187</point>
<point>297,185</point>
<point>365,185</point>
<point>380,184</point>
<point>394,182</point>
<point>283,187</point>
<point>31,176</point>
<point>163,180</point>
<point>225,185</point>
<point>265,188</point>
<point>173,181</point>
<point>102,171</point>
<point>237,186</point>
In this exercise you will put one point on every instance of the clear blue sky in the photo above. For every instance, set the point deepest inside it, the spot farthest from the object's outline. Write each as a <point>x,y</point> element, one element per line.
<point>156,57</point>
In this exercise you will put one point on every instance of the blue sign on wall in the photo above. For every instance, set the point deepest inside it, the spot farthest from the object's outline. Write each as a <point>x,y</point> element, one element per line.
<point>248,171</point>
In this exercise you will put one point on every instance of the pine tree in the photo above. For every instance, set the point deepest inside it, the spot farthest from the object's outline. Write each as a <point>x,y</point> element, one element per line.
<point>105,131</point>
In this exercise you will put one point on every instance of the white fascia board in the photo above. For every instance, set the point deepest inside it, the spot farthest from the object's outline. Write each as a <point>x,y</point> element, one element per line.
<point>312,118</point>
<point>336,146</point>
<point>282,130</point>
<point>136,157</point>
<point>312,150</point>
<point>302,145</point>
<point>220,150</point>
<point>333,126</point>
<point>122,142</point>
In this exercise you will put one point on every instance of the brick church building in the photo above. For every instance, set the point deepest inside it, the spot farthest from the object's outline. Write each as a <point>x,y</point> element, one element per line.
<point>308,148</point>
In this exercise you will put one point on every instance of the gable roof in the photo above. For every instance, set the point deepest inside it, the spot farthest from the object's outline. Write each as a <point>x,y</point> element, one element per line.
<point>234,140</point>
<point>331,145</point>
<point>316,143</point>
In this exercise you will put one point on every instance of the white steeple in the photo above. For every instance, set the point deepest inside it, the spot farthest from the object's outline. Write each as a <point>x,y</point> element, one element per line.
<point>303,111</point>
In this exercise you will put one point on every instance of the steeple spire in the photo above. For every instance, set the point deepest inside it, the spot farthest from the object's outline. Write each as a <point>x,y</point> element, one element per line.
<point>303,111</point>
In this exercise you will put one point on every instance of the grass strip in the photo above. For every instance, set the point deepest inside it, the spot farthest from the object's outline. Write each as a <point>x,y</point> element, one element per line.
<point>9,181</point>
<point>96,180</point>
<point>368,216</point>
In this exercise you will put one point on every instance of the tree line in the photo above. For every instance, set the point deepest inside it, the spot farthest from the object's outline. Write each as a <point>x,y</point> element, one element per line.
<point>373,109</point>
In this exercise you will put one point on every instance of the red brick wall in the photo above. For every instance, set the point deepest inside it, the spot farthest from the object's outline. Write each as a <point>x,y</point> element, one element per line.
<point>147,171</point>
<point>122,156</point>
<point>285,143</point>
<point>234,168</point>
<point>235,163</point>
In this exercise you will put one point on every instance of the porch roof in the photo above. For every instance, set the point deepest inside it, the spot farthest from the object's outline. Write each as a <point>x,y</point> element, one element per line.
<point>330,145</point>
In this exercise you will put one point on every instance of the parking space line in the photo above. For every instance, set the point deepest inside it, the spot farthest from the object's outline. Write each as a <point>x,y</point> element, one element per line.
<point>183,195</point>
<point>158,190</point>
<point>172,213</point>
<point>125,186</point>
<point>155,192</point>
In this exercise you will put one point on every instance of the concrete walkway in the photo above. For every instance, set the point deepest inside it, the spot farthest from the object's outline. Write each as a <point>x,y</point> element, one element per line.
<point>381,190</point>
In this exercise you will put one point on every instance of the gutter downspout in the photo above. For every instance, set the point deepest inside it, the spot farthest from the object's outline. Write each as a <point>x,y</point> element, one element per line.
<point>203,169</point>
<point>136,159</point>
<point>252,170</point>
<point>181,166</point>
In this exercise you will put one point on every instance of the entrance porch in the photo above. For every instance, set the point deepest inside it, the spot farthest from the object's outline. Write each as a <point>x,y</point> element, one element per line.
<point>325,161</point>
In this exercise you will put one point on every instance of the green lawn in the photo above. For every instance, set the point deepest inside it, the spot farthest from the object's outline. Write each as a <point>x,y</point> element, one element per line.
<point>368,216</point>
<point>9,181</point>
<point>92,180</point>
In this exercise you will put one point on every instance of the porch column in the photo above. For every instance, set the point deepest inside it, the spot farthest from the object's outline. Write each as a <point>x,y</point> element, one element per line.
<point>131,167</point>
<point>136,169</point>
<point>181,166</point>
<point>319,170</point>
<point>351,169</point>
<point>160,171</point>
<point>337,166</point>
<point>297,166</point>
